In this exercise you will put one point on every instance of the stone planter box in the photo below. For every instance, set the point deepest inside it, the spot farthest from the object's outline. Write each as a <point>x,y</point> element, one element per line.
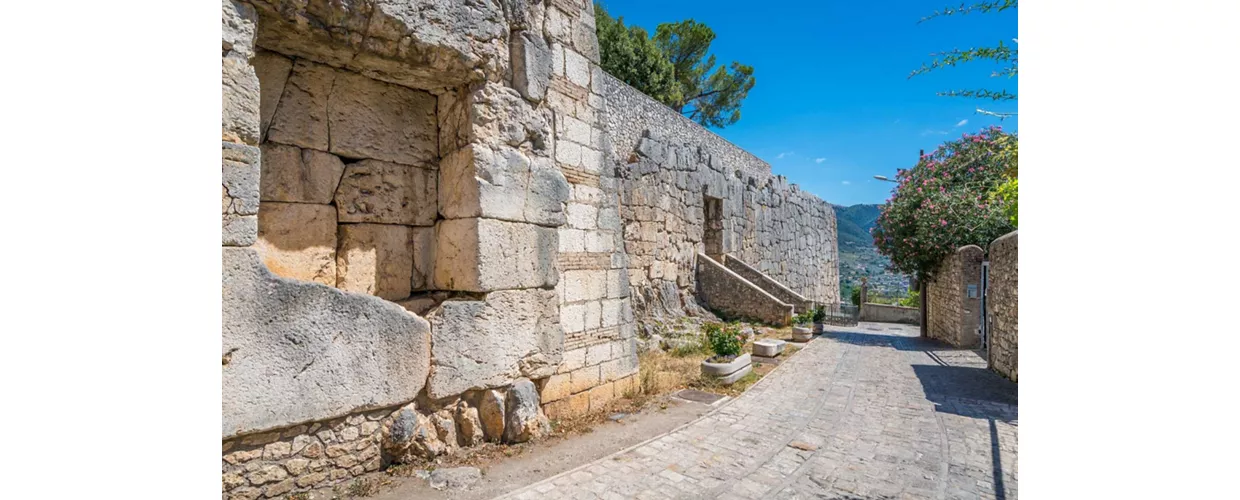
<point>727,373</point>
<point>802,334</point>
<point>768,348</point>
<point>818,327</point>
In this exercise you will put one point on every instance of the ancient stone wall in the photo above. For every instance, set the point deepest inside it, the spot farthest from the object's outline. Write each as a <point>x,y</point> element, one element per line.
<point>734,298</point>
<point>1002,305</point>
<point>953,315</point>
<point>419,232</point>
<point>890,314</point>
<point>767,284</point>
<point>672,169</point>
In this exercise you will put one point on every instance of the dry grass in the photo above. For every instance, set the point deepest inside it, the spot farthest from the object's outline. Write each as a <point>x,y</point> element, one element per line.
<point>662,373</point>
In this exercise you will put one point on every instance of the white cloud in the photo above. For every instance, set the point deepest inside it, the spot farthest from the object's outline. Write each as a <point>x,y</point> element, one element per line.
<point>819,160</point>
<point>845,183</point>
<point>962,123</point>
<point>782,155</point>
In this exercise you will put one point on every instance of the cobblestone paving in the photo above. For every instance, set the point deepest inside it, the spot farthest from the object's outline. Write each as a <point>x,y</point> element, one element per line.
<point>869,412</point>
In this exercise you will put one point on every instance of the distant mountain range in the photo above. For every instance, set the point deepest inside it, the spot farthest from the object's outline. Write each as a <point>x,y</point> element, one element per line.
<point>853,225</point>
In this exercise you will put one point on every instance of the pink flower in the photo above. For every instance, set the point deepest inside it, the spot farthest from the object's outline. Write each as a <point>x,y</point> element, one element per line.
<point>942,222</point>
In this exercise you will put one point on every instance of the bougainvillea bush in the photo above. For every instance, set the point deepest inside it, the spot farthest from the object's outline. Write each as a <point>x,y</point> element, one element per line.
<point>946,202</point>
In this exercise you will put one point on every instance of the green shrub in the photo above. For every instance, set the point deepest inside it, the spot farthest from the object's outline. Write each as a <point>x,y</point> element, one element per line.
<point>804,318</point>
<point>855,297</point>
<point>912,300</point>
<point>724,340</point>
<point>820,314</point>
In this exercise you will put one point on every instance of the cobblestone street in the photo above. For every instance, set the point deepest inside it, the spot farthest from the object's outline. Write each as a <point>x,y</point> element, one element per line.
<point>868,412</point>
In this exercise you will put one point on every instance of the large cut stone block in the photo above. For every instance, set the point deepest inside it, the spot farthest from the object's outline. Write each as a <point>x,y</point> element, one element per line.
<point>480,255</point>
<point>273,71</point>
<point>299,175</point>
<point>423,239</point>
<point>301,116</point>
<point>481,344</point>
<point>387,193</point>
<point>531,65</point>
<point>298,240</point>
<point>240,116</point>
<point>501,183</point>
<point>295,352</point>
<point>373,119</point>
<point>375,259</point>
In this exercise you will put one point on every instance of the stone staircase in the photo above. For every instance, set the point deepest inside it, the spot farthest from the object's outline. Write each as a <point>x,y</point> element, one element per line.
<point>734,289</point>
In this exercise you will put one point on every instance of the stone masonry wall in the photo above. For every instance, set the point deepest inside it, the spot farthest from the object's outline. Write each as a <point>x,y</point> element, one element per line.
<point>1002,305</point>
<point>397,181</point>
<point>670,167</point>
<point>775,288</point>
<point>890,314</point>
<point>953,316</point>
<point>734,298</point>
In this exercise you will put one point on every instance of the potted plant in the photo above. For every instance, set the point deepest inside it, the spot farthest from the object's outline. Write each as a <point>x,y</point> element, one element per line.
<point>820,317</point>
<point>800,327</point>
<point>727,365</point>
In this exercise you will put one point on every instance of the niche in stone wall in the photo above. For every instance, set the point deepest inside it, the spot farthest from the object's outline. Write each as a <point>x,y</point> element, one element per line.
<point>712,227</point>
<point>350,172</point>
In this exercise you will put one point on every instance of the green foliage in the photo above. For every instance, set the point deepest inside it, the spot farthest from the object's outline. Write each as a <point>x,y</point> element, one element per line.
<point>804,318</point>
<point>855,297</point>
<point>945,202</point>
<point>632,56</point>
<point>820,314</point>
<point>913,299</point>
<point>1002,55</point>
<point>1006,193</point>
<point>724,340</point>
<point>674,68</point>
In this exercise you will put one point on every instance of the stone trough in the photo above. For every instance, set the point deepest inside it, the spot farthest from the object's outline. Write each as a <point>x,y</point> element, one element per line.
<point>768,348</point>
<point>730,372</point>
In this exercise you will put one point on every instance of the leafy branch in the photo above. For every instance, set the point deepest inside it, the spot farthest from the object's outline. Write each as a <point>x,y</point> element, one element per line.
<point>999,54</point>
<point>1001,95</point>
<point>983,7</point>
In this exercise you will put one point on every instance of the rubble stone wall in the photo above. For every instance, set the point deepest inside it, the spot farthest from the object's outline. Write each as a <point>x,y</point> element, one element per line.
<point>1002,304</point>
<point>953,315</point>
<point>775,288</point>
<point>670,167</point>
<point>884,313</point>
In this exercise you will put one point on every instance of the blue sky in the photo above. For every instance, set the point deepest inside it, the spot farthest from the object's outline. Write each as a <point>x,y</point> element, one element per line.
<point>833,105</point>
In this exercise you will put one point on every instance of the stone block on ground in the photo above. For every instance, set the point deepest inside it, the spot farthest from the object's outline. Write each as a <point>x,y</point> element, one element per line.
<point>412,436</point>
<point>298,241</point>
<point>387,193</point>
<point>454,478</point>
<point>375,259</point>
<point>468,424</point>
<point>491,414</point>
<point>524,419</point>
<point>296,352</point>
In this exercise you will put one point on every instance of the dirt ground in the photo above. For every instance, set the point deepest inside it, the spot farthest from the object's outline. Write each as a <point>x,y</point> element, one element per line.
<point>520,465</point>
<point>575,441</point>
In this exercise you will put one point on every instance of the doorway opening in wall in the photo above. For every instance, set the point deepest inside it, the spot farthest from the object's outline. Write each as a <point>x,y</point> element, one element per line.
<point>712,235</point>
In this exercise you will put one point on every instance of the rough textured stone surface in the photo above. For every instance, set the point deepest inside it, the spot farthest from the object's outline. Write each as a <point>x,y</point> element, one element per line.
<point>733,297</point>
<point>273,71</point>
<point>300,118</point>
<point>240,98</point>
<point>954,317</point>
<point>387,193</point>
<point>476,181</point>
<point>454,478</point>
<point>480,344</point>
<point>295,352</point>
<point>411,435</point>
<point>491,413</point>
<point>372,119</point>
<point>480,255</point>
<point>299,175</point>
<point>524,419</point>
<point>445,427</point>
<point>768,284</point>
<point>531,65</point>
<point>884,313</point>
<point>468,424</point>
<point>375,259</point>
<point>298,241</point>
<point>1002,305</point>
<point>423,240</point>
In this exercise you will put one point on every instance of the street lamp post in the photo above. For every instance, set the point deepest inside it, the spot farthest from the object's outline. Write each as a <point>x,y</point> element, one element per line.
<point>884,178</point>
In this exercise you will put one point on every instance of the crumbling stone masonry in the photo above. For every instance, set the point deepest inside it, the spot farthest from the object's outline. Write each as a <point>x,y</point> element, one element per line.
<point>1002,304</point>
<point>432,237</point>
<point>953,313</point>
